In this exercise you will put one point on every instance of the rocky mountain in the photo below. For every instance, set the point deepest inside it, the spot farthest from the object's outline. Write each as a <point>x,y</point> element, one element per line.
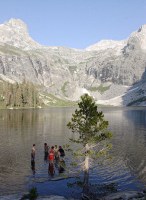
<point>14,33</point>
<point>113,72</point>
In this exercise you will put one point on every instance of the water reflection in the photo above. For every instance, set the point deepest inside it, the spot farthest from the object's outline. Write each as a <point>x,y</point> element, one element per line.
<point>129,143</point>
<point>19,129</point>
<point>33,166</point>
<point>51,169</point>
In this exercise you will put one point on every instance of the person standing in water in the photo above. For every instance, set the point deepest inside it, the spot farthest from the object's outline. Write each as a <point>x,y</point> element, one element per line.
<point>56,152</point>
<point>33,152</point>
<point>51,157</point>
<point>46,149</point>
<point>61,153</point>
<point>61,166</point>
<point>33,158</point>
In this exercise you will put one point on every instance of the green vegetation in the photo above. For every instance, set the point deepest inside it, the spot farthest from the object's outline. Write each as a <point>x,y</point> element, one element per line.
<point>90,133</point>
<point>7,49</point>
<point>51,100</point>
<point>26,95</point>
<point>72,69</point>
<point>20,95</point>
<point>33,194</point>
<point>93,89</point>
<point>63,89</point>
<point>100,88</point>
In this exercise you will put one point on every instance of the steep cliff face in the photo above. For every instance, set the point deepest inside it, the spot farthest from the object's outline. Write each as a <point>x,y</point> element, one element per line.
<point>107,70</point>
<point>15,33</point>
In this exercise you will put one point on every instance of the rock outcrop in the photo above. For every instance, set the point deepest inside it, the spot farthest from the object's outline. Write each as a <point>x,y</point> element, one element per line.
<point>109,70</point>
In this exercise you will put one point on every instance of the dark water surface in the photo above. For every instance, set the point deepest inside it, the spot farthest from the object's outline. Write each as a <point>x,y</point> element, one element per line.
<point>19,129</point>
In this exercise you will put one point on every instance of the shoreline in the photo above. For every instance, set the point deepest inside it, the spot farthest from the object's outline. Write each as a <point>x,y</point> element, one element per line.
<point>129,195</point>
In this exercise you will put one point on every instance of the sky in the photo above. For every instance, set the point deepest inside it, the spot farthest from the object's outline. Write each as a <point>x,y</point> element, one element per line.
<point>76,23</point>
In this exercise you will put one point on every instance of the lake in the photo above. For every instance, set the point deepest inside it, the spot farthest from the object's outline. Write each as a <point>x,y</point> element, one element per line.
<point>19,129</point>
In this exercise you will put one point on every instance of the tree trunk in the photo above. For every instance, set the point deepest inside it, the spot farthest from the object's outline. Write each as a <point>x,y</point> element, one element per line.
<point>86,171</point>
<point>86,174</point>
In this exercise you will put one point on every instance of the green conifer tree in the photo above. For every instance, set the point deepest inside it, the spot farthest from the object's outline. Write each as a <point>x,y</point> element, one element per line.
<point>90,131</point>
<point>18,96</point>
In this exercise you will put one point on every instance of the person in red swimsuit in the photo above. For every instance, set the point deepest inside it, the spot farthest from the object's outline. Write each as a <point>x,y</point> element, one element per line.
<point>51,157</point>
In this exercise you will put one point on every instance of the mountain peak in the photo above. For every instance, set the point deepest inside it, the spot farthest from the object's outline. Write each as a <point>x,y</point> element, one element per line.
<point>137,39</point>
<point>16,23</point>
<point>108,44</point>
<point>14,32</point>
<point>142,28</point>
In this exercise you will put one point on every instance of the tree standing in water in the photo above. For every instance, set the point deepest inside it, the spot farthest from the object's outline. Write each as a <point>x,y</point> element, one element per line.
<point>90,132</point>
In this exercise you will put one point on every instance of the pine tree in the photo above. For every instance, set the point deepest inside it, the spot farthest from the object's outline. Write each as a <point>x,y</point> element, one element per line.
<point>90,131</point>
<point>18,96</point>
<point>23,94</point>
<point>7,94</point>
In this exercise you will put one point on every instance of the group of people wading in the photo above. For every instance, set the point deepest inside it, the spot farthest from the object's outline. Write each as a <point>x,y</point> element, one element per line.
<point>54,156</point>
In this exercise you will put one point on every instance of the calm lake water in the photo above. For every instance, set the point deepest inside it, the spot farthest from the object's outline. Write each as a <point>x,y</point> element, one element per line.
<point>19,129</point>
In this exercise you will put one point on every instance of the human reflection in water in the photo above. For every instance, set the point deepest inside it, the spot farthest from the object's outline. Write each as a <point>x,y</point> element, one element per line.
<point>33,166</point>
<point>51,169</point>
<point>61,166</point>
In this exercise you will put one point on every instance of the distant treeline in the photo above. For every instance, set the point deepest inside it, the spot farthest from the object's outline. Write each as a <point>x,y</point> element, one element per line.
<point>23,94</point>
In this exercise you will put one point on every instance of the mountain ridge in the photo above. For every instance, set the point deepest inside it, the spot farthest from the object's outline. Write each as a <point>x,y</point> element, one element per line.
<point>105,70</point>
<point>15,32</point>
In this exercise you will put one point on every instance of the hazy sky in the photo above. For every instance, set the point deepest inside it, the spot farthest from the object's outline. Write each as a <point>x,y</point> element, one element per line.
<point>76,23</point>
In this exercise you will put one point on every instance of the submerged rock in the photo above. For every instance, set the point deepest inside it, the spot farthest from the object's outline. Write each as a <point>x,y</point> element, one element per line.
<point>131,195</point>
<point>18,197</point>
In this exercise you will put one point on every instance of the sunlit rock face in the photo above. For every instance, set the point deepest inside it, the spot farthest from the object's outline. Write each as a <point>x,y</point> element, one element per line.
<point>138,38</point>
<point>116,46</point>
<point>111,71</point>
<point>15,33</point>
